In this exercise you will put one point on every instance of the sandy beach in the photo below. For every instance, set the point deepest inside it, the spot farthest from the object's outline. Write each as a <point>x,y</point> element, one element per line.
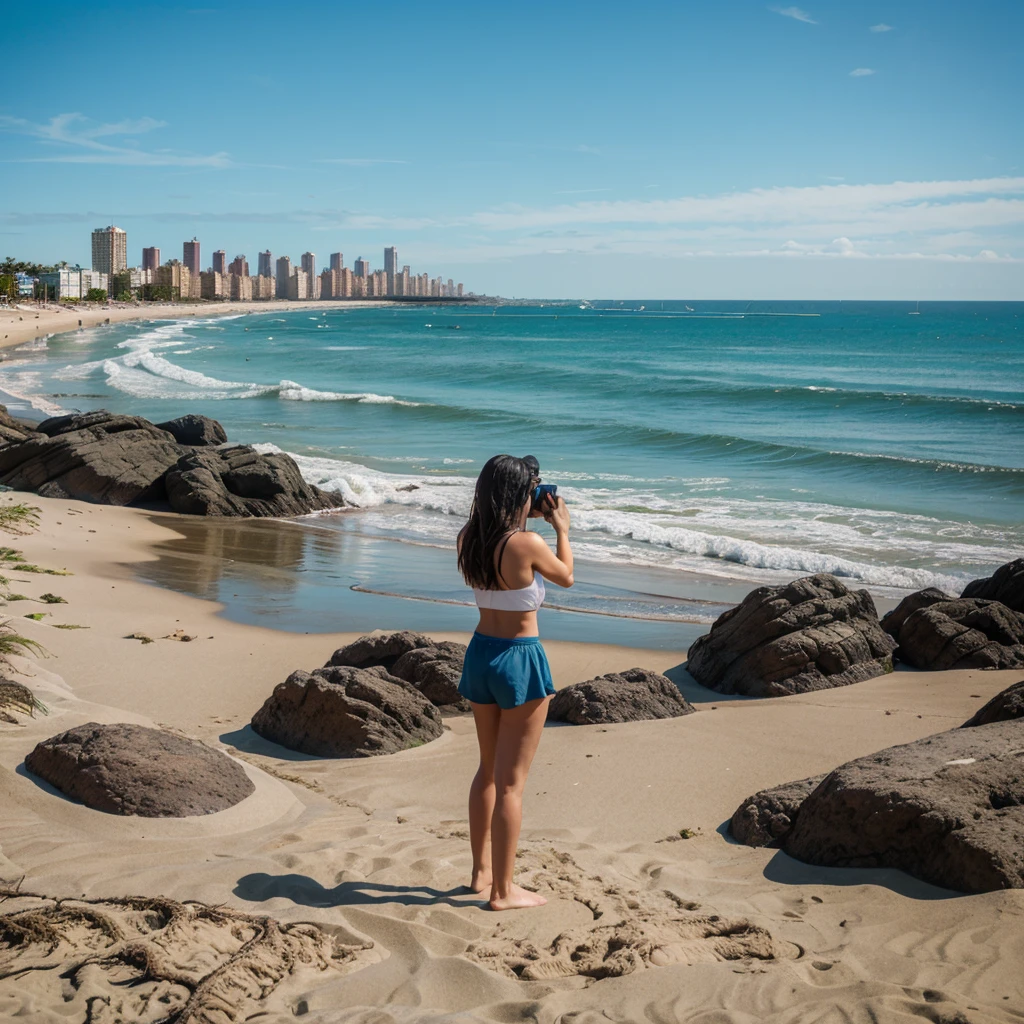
<point>27,321</point>
<point>375,850</point>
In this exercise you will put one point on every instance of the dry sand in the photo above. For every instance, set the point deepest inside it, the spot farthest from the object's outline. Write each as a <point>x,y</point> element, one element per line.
<point>375,850</point>
<point>27,321</point>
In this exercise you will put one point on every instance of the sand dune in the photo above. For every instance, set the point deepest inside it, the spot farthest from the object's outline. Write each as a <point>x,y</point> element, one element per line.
<point>641,924</point>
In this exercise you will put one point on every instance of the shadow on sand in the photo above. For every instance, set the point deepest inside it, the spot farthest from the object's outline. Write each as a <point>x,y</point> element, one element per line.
<point>308,892</point>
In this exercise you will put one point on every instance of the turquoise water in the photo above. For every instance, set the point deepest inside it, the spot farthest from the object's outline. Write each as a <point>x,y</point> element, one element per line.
<point>745,442</point>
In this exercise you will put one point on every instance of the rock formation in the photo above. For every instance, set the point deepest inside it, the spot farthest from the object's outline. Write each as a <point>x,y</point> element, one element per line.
<point>936,632</point>
<point>947,809</point>
<point>811,634</point>
<point>635,695</point>
<point>195,431</point>
<point>1003,707</point>
<point>340,711</point>
<point>1006,584</point>
<point>14,431</point>
<point>129,769</point>
<point>382,649</point>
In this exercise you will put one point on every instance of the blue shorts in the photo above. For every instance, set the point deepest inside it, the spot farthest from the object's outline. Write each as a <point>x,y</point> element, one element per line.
<point>505,672</point>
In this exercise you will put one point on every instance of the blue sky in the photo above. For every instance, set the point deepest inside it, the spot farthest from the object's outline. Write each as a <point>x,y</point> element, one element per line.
<point>689,149</point>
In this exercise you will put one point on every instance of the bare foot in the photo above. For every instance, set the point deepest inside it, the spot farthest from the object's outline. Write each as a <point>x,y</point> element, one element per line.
<point>480,882</point>
<point>518,898</point>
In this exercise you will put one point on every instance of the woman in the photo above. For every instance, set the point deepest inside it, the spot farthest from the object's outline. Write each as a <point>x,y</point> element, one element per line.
<point>506,677</point>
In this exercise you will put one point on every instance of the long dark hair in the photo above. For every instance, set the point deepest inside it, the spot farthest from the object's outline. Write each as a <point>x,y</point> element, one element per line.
<point>502,489</point>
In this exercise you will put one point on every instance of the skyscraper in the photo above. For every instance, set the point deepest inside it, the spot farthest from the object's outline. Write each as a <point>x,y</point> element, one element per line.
<point>220,262</point>
<point>266,264</point>
<point>309,264</point>
<point>361,268</point>
<point>337,261</point>
<point>150,258</point>
<point>239,266</point>
<point>284,272</point>
<point>390,267</point>
<point>109,250</point>
<point>190,257</point>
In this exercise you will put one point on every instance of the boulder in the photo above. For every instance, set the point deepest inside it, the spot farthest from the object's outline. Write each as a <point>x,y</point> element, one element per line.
<point>195,431</point>
<point>1003,707</point>
<point>811,634</point>
<point>765,819</point>
<point>382,649</point>
<point>129,769</point>
<point>97,457</point>
<point>1006,585</point>
<point>936,632</point>
<point>14,431</point>
<point>948,809</point>
<point>239,481</point>
<point>435,671</point>
<point>635,695</point>
<point>340,711</point>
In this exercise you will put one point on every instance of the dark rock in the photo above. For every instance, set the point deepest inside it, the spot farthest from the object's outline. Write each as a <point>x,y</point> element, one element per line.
<point>382,649</point>
<point>936,632</point>
<point>14,431</point>
<point>195,431</point>
<point>435,671</point>
<point>635,695</point>
<point>1003,707</point>
<point>129,769</point>
<point>811,634</point>
<point>765,819</point>
<point>1006,585</point>
<point>948,809</point>
<point>340,711</point>
<point>239,481</point>
<point>97,456</point>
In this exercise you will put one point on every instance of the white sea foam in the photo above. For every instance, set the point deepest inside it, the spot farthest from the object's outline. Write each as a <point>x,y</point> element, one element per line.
<point>291,391</point>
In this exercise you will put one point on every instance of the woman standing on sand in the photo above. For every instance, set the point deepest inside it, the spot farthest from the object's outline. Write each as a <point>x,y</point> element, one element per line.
<point>506,676</point>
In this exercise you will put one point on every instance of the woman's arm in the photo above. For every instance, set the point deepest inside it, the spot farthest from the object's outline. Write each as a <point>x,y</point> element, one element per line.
<point>555,566</point>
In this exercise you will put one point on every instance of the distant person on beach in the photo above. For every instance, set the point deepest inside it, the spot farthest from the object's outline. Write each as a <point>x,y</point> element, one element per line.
<point>506,677</point>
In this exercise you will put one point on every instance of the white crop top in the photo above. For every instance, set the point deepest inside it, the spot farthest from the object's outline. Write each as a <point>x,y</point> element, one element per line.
<point>525,599</point>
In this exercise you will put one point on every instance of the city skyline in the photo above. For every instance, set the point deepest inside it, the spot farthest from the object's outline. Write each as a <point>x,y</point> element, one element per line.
<point>744,150</point>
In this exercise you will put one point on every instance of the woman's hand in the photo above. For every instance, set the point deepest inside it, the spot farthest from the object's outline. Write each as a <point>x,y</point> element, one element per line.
<point>557,514</point>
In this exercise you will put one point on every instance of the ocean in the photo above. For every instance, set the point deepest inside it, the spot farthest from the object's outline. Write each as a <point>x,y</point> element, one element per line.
<point>704,448</point>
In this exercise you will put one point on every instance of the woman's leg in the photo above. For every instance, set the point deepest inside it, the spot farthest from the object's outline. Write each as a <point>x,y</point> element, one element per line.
<point>481,795</point>
<point>519,731</point>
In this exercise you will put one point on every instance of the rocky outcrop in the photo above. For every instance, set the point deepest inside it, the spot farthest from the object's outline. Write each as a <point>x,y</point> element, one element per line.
<point>766,818</point>
<point>433,668</point>
<point>97,456</point>
<point>239,481</point>
<point>129,769</point>
<point>947,809</point>
<point>14,431</point>
<point>811,634</point>
<point>1006,585</point>
<point>936,632</point>
<point>635,695</point>
<point>1003,707</point>
<point>195,431</point>
<point>340,711</point>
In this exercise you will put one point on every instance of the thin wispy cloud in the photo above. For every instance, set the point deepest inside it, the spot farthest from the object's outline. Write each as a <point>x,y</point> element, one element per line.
<point>359,161</point>
<point>881,27</point>
<point>75,139</point>
<point>796,13</point>
<point>862,72</point>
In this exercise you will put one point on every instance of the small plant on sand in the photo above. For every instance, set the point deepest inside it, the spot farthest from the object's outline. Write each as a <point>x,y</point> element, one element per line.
<point>17,597</point>
<point>52,599</point>
<point>16,697</point>
<point>12,642</point>
<point>38,616</point>
<point>67,625</point>
<point>16,561</point>
<point>19,518</point>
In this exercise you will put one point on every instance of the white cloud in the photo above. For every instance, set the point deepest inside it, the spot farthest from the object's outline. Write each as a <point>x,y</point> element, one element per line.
<point>795,13</point>
<point>881,27</point>
<point>861,72</point>
<point>79,138</point>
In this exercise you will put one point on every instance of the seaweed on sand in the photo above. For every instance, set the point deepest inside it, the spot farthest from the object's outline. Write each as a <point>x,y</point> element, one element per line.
<point>17,697</point>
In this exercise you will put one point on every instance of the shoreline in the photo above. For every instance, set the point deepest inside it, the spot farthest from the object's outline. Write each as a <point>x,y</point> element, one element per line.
<point>24,323</point>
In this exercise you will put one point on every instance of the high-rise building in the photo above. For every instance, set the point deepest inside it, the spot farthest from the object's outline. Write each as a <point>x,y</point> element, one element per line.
<point>390,267</point>
<point>284,273</point>
<point>309,265</point>
<point>150,258</point>
<point>109,250</point>
<point>239,266</point>
<point>190,257</point>
<point>266,264</point>
<point>298,284</point>
<point>361,268</point>
<point>337,261</point>
<point>220,262</point>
